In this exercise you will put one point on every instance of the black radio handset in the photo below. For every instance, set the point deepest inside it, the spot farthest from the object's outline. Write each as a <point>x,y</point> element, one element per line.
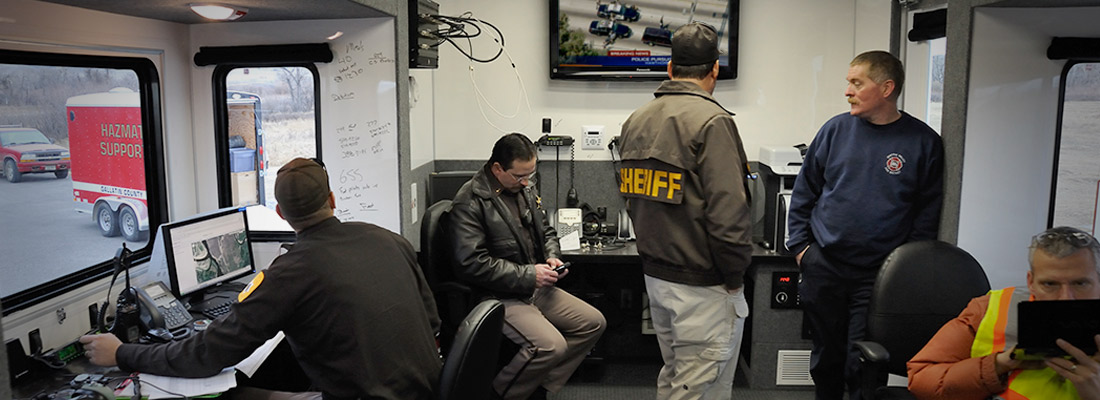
<point>127,311</point>
<point>102,317</point>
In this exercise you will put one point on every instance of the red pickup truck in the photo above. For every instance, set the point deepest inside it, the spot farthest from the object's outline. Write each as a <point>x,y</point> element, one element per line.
<point>28,151</point>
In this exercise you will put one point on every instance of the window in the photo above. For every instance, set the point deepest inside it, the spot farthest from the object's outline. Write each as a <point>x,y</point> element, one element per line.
<point>1077,169</point>
<point>937,50</point>
<point>924,46</point>
<point>269,119</point>
<point>77,146</point>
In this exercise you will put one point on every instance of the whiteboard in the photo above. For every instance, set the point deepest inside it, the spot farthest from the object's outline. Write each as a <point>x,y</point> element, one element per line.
<point>359,125</point>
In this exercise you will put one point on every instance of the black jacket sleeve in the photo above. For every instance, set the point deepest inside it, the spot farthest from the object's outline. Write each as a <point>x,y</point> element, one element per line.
<point>227,341</point>
<point>474,262</point>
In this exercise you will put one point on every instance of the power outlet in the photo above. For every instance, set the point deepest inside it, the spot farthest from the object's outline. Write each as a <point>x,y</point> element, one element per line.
<point>592,137</point>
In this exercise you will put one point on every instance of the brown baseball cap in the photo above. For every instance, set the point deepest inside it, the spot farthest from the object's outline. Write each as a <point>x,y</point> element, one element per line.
<point>301,188</point>
<point>694,44</point>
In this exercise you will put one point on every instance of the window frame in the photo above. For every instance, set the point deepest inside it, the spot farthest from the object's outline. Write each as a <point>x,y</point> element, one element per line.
<point>149,89</point>
<point>221,133</point>
<point>1058,137</point>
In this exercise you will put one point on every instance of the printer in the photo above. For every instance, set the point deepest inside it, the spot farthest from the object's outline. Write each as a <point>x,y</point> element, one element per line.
<point>779,167</point>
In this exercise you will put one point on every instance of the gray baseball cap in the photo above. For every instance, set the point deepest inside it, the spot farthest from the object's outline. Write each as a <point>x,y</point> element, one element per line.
<point>694,44</point>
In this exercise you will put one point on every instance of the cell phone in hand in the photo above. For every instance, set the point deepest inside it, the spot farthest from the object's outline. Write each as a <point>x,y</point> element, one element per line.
<point>562,267</point>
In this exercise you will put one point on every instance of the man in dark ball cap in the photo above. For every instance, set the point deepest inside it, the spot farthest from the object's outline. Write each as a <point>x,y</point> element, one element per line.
<point>683,176</point>
<point>349,296</point>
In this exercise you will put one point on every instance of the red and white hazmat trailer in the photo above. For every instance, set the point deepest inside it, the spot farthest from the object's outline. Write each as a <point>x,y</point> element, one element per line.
<point>108,161</point>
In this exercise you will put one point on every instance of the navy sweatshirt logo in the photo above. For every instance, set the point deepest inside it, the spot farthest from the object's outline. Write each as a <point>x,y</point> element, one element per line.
<point>894,163</point>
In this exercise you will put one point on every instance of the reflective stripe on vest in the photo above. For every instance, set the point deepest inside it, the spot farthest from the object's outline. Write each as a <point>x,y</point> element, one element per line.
<point>997,332</point>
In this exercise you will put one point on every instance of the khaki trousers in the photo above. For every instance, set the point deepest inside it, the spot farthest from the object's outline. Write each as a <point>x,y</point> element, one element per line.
<point>699,329</point>
<point>555,331</point>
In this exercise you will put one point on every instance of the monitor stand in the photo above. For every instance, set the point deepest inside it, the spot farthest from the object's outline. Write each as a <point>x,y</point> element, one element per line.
<point>214,295</point>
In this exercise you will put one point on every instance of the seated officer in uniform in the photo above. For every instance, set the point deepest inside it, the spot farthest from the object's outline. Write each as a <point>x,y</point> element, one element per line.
<point>505,248</point>
<point>970,357</point>
<point>349,296</point>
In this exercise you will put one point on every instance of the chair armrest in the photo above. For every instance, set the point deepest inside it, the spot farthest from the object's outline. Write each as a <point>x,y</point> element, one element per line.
<point>872,352</point>
<point>872,359</point>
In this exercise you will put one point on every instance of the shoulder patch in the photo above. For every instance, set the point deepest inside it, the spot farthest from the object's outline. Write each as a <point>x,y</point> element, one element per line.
<point>251,287</point>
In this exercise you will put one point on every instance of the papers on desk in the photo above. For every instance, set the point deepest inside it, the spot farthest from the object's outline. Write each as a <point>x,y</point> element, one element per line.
<point>571,241</point>
<point>250,364</point>
<point>163,387</point>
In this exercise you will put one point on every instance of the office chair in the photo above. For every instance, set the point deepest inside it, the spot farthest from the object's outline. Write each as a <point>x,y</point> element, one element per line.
<point>470,367</point>
<point>453,299</point>
<point>920,287</point>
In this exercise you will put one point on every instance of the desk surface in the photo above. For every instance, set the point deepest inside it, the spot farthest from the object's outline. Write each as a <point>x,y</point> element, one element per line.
<point>627,253</point>
<point>46,380</point>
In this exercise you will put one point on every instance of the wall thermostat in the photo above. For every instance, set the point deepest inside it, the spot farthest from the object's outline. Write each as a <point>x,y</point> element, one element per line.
<point>591,137</point>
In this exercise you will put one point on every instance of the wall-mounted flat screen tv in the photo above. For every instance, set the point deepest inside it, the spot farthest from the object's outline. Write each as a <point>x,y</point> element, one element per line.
<point>632,39</point>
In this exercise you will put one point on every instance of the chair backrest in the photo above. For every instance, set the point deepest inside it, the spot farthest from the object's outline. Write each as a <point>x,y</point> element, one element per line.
<point>921,286</point>
<point>435,254</point>
<point>471,363</point>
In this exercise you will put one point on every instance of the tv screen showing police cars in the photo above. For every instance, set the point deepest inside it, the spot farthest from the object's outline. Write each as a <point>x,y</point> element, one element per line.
<point>595,33</point>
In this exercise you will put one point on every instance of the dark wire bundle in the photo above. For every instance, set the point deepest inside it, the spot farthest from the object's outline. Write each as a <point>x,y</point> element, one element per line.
<point>452,28</point>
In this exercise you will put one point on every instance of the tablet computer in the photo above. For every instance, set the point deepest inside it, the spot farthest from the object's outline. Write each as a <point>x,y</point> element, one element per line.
<point>1040,323</point>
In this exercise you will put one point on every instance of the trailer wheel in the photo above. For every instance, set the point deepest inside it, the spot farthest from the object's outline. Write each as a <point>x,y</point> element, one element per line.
<point>61,174</point>
<point>11,172</point>
<point>106,220</point>
<point>128,224</point>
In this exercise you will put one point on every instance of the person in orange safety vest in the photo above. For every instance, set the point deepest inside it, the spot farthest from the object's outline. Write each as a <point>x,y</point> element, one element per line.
<point>971,356</point>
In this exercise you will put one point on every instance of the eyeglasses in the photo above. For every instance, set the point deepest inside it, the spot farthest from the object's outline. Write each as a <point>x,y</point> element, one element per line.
<point>520,178</point>
<point>1075,239</point>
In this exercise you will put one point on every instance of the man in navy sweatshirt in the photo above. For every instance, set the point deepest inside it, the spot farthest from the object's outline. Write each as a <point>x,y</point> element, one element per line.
<point>872,179</point>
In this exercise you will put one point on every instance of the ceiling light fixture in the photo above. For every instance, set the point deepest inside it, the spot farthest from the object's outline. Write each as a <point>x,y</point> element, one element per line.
<point>218,12</point>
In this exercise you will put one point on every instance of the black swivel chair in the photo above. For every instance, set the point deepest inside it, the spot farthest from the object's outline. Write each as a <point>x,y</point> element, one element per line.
<point>470,366</point>
<point>453,299</point>
<point>920,287</point>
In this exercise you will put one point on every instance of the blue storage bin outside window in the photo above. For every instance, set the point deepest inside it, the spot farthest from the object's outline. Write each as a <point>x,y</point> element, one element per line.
<point>242,159</point>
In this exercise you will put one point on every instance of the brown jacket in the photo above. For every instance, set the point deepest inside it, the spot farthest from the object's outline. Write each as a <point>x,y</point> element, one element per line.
<point>355,308</point>
<point>683,174</point>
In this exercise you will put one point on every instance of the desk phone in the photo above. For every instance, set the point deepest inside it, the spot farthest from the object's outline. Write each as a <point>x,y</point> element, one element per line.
<point>174,313</point>
<point>569,221</point>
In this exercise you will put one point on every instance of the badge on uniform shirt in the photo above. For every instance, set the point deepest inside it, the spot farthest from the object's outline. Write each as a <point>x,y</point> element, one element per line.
<point>259,278</point>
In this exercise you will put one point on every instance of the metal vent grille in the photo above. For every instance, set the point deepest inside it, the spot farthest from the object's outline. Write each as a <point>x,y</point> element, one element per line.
<point>793,368</point>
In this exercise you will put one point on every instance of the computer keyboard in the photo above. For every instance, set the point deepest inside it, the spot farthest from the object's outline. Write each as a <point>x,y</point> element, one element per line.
<point>216,310</point>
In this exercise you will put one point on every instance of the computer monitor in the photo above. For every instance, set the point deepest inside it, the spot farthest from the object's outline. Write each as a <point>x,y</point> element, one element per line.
<point>207,250</point>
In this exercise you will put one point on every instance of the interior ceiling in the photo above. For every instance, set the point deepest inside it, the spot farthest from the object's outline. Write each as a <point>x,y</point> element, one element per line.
<point>258,10</point>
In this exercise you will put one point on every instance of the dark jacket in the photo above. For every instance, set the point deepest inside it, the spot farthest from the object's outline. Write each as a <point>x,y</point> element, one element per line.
<point>486,243</point>
<point>683,174</point>
<point>353,304</point>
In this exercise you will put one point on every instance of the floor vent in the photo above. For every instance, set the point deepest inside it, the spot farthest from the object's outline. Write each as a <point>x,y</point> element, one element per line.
<point>793,368</point>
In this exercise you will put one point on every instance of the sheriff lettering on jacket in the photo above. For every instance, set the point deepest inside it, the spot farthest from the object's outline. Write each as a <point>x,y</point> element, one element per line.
<point>655,181</point>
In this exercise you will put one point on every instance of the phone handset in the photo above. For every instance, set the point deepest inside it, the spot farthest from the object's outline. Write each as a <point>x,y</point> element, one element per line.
<point>150,315</point>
